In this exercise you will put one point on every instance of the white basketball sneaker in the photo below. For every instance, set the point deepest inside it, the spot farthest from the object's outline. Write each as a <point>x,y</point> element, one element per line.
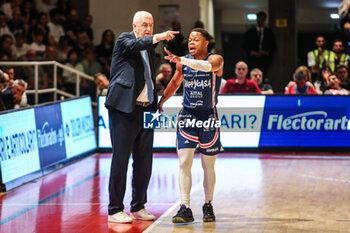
<point>142,215</point>
<point>120,217</point>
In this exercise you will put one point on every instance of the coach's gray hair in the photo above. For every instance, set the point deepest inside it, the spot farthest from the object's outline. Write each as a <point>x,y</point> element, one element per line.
<point>141,14</point>
<point>343,8</point>
<point>20,82</point>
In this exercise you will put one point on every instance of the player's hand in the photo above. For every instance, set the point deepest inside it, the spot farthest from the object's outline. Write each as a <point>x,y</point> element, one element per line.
<point>160,106</point>
<point>168,35</point>
<point>171,57</point>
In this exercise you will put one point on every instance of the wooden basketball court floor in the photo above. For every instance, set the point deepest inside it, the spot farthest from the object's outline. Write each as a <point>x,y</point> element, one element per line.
<point>254,193</point>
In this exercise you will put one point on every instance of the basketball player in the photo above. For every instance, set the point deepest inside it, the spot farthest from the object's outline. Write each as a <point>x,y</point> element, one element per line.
<point>200,73</point>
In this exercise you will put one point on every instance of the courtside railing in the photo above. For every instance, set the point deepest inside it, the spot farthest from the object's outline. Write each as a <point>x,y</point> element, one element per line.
<point>54,89</point>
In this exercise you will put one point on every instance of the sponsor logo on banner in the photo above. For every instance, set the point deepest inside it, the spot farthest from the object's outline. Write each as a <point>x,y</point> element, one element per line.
<point>78,126</point>
<point>50,134</point>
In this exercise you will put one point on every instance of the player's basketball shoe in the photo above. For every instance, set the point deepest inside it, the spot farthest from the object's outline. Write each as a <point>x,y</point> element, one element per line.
<point>184,215</point>
<point>208,212</point>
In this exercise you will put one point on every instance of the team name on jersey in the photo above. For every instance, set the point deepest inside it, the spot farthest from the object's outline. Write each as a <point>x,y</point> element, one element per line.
<point>197,83</point>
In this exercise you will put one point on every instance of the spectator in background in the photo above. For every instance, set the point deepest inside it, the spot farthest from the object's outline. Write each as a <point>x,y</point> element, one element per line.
<point>91,67</point>
<point>257,76</point>
<point>21,101</point>
<point>87,22</point>
<point>55,27</point>
<point>63,48</point>
<point>341,72</point>
<point>164,76</point>
<point>16,24</point>
<point>44,5</point>
<point>4,29</point>
<point>19,48</point>
<point>344,13</point>
<point>13,95</point>
<point>72,25</point>
<point>64,6</point>
<point>338,57</point>
<point>102,83</point>
<point>301,86</point>
<point>3,85</point>
<point>69,79</point>
<point>10,71</point>
<point>41,23</point>
<point>240,84</point>
<point>105,49</point>
<point>318,57</point>
<point>9,7</point>
<point>6,42</point>
<point>259,44</point>
<point>29,12</point>
<point>334,86</point>
<point>82,44</point>
<point>38,42</point>
<point>321,86</point>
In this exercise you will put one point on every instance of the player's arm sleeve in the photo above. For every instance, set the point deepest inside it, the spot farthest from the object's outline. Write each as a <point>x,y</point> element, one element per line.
<point>196,64</point>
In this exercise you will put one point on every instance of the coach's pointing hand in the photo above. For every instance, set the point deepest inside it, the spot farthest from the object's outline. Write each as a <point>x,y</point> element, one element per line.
<point>168,35</point>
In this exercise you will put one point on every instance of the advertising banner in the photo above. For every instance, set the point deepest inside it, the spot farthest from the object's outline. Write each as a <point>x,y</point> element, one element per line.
<point>19,152</point>
<point>78,126</point>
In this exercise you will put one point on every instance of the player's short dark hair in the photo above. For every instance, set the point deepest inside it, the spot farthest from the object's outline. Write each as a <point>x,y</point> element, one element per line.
<point>299,75</point>
<point>202,31</point>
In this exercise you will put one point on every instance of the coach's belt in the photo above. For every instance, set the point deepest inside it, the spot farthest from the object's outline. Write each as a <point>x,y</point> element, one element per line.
<point>143,104</point>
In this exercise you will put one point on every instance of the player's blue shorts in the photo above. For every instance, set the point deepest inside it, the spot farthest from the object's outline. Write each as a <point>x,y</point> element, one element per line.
<point>197,127</point>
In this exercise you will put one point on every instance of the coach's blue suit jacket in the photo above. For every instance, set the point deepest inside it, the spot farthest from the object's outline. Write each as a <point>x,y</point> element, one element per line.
<point>127,72</point>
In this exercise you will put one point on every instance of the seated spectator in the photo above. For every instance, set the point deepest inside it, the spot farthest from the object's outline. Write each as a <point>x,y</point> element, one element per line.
<point>10,71</point>
<point>105,49</point>
<point>102,83</point>
<point>322,85</point>
<point>13,95</point>
<point>341,72</point>
<point>334,86</point>
<point>240,84</point>
<point>82,44</point>
<point>164,75</point>
<point>55,28</point>
<point>87,22</point>
<point>44,6</point>
<point>29,12</point>
<point>3,85</point>
<point>8,8</point>
<point>21,101</point>
<point>19,48</point>
<point>73,25</point>
<point>300,86</point>
<point>41,23</point>
<point>308,76</point>
<point>6,42</point>
<point>257,76</point>
<point>38,44</point>
<point>4,29</point>
<point>70,79</point>
<point>63,48</point>
<point>16,24</point>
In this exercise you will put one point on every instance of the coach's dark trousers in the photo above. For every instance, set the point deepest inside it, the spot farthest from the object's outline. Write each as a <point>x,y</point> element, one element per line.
<point>128,136</point>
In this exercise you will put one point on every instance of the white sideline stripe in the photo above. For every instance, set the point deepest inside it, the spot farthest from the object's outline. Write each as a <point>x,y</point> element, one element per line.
<point>326,178</point>
<point>176,205</point>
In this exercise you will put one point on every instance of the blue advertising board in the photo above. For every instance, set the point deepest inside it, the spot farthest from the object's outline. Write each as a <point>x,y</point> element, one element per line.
<point>50,134</point>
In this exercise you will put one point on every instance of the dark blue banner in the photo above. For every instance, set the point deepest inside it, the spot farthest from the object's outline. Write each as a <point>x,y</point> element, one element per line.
<point>50,134</point>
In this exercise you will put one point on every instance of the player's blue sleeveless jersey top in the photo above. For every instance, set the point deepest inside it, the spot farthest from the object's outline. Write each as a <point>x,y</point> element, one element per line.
<point>200,88</point>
